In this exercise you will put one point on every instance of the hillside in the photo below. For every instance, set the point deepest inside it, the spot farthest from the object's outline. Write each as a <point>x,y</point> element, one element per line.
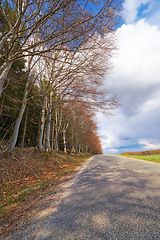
<point>28,176</point>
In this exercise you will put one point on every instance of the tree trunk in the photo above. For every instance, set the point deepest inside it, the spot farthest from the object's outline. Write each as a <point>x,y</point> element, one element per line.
<point>40,145</point>
<point>53,136</point>
<point>56,131</point>
<point>13,141</point>
<point>65,126</point>
<point>48,125</point>
<point>64,140</point>
<point>4,39</point>
<point>57,127</point>
<point>73,143</point>
<point>25,127</point>
<point>2,105</point>
<point>56,139</point>
<point>47,137</point>
<point>79,148</point>
<point>3,74</point>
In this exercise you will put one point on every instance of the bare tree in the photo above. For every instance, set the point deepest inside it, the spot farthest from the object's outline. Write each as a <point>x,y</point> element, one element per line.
<point>56,24</point>
<point>71,75</point>
<point>69,38</point>
<point>29,82</point>
<point>74,76</point>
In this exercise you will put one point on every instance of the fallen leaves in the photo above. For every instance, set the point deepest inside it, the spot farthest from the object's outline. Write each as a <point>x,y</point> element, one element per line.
<point>19,184</point>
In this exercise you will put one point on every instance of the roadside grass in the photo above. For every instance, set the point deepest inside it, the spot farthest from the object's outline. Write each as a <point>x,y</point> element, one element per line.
<point>151,158</point>
<point>29,175</point>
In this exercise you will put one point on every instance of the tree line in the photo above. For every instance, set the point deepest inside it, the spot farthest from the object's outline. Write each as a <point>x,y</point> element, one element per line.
<point>53,56</point>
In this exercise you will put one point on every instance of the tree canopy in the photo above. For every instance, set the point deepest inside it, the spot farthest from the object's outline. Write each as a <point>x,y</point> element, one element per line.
<point>53,56</point>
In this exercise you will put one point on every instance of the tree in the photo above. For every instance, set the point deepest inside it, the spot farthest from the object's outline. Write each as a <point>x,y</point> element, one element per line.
<point>10,102</point>
<point>73,76</point>
<point>66,39</point>
<point>56,24</point>
<point>81,134</point>
<point>29,81</point>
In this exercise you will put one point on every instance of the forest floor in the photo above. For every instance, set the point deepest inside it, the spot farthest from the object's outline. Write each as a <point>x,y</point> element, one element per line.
<point>27,176</point>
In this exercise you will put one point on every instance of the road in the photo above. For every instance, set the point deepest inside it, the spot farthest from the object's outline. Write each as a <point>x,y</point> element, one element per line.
<point>111,198</point>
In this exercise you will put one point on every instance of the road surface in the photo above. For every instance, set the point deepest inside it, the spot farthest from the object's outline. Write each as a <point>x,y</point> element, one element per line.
<point>111,198</point>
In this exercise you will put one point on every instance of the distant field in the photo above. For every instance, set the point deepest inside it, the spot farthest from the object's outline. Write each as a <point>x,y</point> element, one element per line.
<point>142,153</point>
<point>149,155</point>
<point>151,158</point>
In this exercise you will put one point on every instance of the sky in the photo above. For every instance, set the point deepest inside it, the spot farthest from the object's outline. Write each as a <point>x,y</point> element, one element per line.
<point>135,79</point>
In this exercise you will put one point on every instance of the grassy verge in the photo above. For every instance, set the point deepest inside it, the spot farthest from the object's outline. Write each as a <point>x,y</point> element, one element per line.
<point>151,158</point>
<point>28,176</point>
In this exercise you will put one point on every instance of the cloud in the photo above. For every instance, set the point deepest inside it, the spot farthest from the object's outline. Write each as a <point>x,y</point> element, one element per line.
<point>136,69</point>
<point>130,9</point>
<point>112,151</point>
<point>148,145</point>
<point>134,10</point>
<point>136,81</point>
<point>155,18</point>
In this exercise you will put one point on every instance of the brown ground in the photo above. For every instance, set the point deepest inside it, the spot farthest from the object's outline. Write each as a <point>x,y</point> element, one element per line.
<point>28,176</point>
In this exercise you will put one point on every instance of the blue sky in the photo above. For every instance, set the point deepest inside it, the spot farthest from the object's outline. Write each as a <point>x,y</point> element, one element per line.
<point>135,79</point>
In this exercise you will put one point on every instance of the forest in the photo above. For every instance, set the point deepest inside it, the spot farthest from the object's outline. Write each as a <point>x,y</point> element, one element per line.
<point>53,58</point>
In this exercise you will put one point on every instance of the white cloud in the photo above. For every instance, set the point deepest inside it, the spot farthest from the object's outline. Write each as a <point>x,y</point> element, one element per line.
<point>112,150</point>
<point>148,145</point>
<point>136,69</point>
<point>130,9</point>
<point>136,80</point>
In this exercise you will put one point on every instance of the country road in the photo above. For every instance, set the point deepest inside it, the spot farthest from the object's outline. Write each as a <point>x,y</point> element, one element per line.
<point>112,198</point>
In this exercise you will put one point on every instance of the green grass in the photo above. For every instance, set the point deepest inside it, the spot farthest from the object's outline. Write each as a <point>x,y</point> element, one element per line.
<point>151,158</point>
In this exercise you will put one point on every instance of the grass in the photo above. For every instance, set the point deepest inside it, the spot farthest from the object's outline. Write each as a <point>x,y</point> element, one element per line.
<point>151,158</point>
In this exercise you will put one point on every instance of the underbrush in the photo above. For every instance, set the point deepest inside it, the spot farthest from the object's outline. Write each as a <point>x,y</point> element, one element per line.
<point>29,175</point>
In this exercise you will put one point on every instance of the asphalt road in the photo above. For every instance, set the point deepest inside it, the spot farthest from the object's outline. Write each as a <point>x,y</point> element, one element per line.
<point>111,198</point>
